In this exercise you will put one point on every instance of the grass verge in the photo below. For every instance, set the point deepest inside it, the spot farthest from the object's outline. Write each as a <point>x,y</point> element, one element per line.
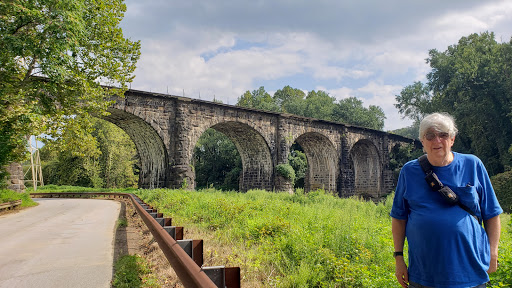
<point>9,195</point>
<point>132,271</point>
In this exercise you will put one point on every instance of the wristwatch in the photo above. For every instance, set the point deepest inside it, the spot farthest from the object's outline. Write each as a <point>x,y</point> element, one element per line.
<point>398,253</point>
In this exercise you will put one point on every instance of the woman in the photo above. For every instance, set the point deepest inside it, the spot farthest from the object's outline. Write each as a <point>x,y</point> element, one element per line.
<point>448,247</point>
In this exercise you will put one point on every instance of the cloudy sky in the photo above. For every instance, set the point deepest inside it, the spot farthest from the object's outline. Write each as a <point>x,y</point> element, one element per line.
<point>368,49</point>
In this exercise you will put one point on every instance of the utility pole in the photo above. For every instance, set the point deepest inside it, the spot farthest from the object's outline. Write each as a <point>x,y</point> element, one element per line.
<point>35,164</point>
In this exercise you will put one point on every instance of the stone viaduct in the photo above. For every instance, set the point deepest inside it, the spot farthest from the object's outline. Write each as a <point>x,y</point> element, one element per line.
<point>344,159</point>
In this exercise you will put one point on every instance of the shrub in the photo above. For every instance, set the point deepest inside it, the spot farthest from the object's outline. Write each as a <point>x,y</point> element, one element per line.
<point>502,184</point>
<point>286,170</point>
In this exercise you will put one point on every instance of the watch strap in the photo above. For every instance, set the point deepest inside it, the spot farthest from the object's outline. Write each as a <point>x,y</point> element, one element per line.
<point>398,253</point>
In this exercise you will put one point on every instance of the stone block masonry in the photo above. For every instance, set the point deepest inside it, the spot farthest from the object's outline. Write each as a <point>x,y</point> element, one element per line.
<point>15,179</point>
<point>344,159</point>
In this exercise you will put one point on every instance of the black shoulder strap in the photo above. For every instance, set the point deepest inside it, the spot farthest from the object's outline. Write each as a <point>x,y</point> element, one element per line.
<point>436,185</point>
<point>425,164</point>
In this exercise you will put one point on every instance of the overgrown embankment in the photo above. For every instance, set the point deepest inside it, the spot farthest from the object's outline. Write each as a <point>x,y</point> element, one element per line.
<point>313,240</point>
<point>9,195</point>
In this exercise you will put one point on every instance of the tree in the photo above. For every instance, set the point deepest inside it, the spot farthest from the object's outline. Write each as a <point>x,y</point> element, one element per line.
<point>54,54</point>
<point>217,161</point>
<point>111,164</point>
<point>319,104</point>
<point>290,100</point>
<point>297,159</point>
<point>351,111</point>
<point>472,81</point>
<point>414,101</point>
<point>68,168</point>
<point>258,99</point>
<point>118,159</point>
<point>410,131</point>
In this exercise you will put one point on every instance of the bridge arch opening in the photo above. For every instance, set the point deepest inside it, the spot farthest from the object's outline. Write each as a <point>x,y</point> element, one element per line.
<point>150,147</point>
<point>322,160</point>
<point>256,160</point>
<point>298,160</point>
<point>216,162</point>
<point>366,166</point>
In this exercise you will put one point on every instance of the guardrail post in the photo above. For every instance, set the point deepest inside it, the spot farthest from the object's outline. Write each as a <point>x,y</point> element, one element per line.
<point>164,221</point>
<point>194,249</point>
<point>223,277</point>
<point>175,232</point>
<point>232,276</point>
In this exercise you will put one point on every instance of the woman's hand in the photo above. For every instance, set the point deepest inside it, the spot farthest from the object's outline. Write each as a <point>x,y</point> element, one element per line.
<point>493,266</point>
<point>401,271</point>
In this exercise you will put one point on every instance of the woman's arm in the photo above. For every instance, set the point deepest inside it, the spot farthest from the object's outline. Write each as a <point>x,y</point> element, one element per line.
<point>493,229</point>
<point>398,230</point>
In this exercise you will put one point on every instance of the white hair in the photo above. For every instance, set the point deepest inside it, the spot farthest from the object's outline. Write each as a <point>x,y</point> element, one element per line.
<point>440,122</point>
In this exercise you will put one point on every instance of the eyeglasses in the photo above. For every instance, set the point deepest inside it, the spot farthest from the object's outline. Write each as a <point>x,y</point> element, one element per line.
<point>442,135</point>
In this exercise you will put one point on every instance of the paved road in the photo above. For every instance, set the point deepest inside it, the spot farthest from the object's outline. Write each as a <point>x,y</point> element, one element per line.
<point>60,243</point>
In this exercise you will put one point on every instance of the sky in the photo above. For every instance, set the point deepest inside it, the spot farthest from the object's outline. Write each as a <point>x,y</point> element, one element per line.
<point>368,49</point>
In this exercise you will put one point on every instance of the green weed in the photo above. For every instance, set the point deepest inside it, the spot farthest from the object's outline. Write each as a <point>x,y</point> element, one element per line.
<point>121,223</point>
<point>132,271</point>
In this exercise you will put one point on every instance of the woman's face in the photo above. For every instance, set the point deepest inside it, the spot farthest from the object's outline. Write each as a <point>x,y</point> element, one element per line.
<point>436,144</point>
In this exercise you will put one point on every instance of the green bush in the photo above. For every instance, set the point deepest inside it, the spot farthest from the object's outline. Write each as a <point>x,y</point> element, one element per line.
<point>3,179</point>
<point>286,170</point>
<point>502,184</point>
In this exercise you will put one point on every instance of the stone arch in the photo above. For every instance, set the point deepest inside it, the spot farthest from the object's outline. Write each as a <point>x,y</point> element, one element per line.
<point>322,161</point>
<point>367,169</point>
<point>150,147</point>
<point>257,165</point>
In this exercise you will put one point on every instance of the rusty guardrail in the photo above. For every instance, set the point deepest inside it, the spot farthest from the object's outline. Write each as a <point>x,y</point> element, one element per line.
<point>185,256</point>
<point>9,205</point>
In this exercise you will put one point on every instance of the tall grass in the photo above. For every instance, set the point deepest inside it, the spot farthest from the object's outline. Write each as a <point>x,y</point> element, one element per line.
<point>503,276</point>
<point>9,195</point>
<point>313,240</point>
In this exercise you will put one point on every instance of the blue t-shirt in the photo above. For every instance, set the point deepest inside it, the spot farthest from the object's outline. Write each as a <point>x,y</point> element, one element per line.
<point>447,246</point>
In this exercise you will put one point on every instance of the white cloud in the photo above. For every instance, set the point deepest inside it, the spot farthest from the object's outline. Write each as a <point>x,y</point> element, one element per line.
<point>383,95</point>
<point>366,49</point>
